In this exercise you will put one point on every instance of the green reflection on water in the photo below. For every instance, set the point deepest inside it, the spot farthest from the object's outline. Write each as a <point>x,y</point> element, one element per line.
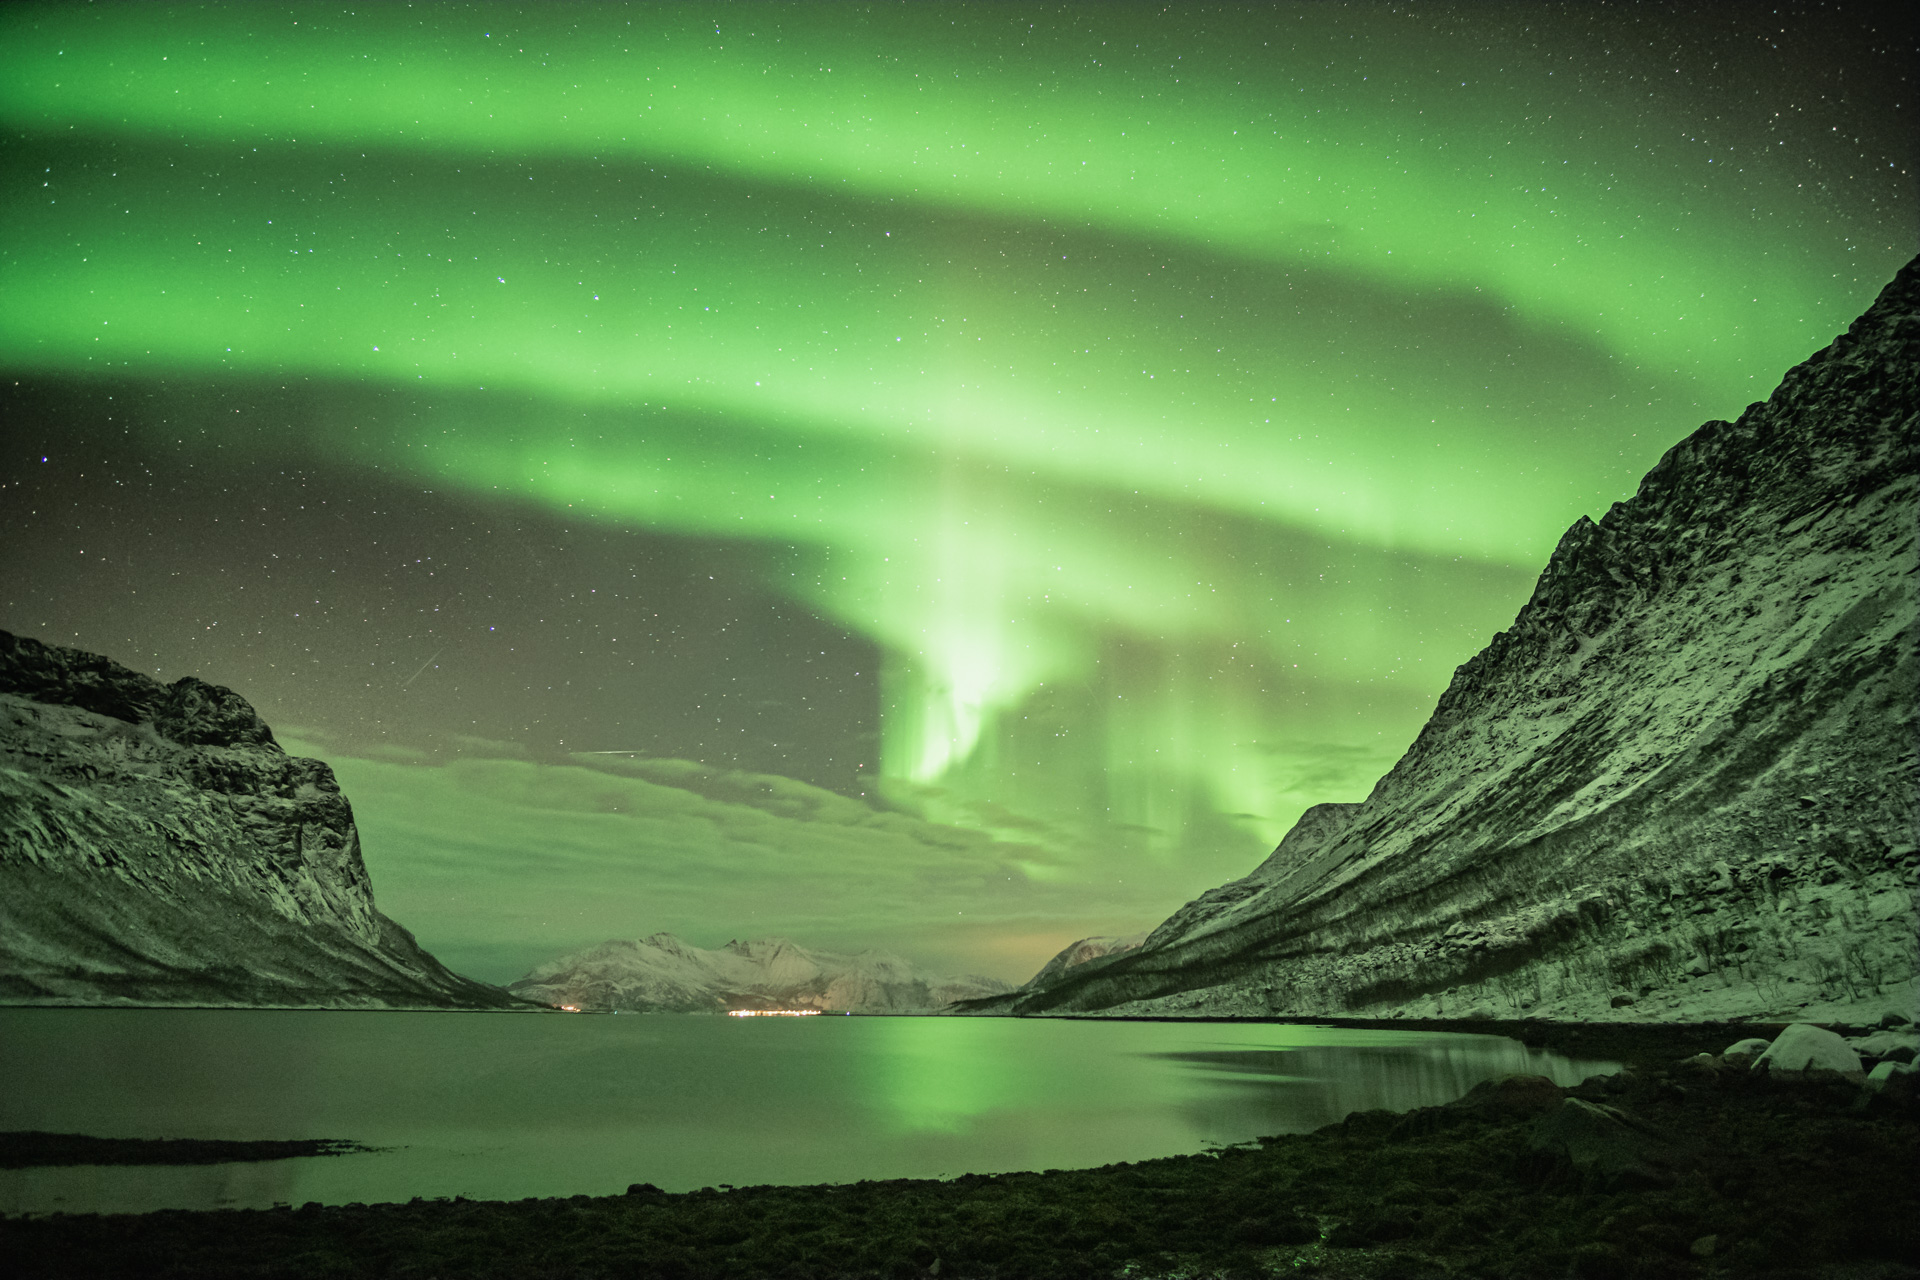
<point>509,1106</point>
<point>941,1075</point>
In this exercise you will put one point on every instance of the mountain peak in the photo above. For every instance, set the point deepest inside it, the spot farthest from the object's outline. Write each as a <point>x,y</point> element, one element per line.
<point>662,974</point>
<point>135,815</point>
<point>1608,812</point>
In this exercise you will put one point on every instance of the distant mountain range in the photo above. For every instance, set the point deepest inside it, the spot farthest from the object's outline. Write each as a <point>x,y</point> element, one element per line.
<point>158,847</point>
<point>662,974</point>
<point>1682,785</point>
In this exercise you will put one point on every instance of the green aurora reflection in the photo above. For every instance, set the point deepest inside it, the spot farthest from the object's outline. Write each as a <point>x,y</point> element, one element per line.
<point>1174,399</point>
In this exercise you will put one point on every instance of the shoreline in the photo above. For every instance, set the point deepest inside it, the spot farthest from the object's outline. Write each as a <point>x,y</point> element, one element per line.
<point>1727,1172</point>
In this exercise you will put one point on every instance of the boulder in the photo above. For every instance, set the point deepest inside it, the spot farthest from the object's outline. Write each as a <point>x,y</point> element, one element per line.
<point>1805,1047</point>
<point>1597,1138</point>
<point>1515,1097</point>
<point>1902,1045</point>
<point>1752,1047</point>
<point>1502,1100</point>
<point>1887,1072</point>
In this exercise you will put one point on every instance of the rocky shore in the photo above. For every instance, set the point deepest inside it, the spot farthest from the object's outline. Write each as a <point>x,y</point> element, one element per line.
<point>1691,1162</point>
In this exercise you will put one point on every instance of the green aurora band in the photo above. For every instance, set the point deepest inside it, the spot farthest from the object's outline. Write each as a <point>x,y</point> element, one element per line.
<point>1176,407</point>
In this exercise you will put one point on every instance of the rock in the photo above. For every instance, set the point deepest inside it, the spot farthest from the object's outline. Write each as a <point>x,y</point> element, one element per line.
<point>199,714</point>
<point>1887,1074</point>
<point>158,847</point>
<point>1498,1101</point>
<point>1556,819</point>
<point>1894,1018</point>
<point>1704,1247</point>
<point>1752,1047</point>
<point>1620,1002</point>
<point>1901,1044</point>
<point>1514,1097</point>
<point>1805,1047</point>
<point>1597,1137</point>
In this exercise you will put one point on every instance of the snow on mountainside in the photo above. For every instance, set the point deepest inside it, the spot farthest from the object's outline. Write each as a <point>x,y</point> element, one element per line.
<point>1681,785</point>
<point>1085,951</point>
<point>158,847</point>
<point>662,974</point>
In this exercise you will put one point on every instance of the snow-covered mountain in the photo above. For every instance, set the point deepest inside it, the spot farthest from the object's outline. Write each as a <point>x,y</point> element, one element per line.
<point>158,847</point>
<point>1075,954</point>
<point>662,974</point>
<point>1681,785</point>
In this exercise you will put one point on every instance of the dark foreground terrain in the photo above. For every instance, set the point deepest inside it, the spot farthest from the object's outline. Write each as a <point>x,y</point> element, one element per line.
<point>1673,1168</point>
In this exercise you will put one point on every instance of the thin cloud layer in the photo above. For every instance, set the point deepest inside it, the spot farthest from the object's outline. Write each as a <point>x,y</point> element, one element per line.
<point>549,857</point>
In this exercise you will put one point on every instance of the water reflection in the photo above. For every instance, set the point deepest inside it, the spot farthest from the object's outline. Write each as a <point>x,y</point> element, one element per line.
<point>507,1106</point>
<point>144,1188</point>
<point>1298,1090</point>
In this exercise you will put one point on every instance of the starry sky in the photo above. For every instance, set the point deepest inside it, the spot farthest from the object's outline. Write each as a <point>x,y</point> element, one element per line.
<point>952,478</point>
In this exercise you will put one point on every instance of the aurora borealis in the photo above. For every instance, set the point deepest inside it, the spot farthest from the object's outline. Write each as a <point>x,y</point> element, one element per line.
<point>1037,451</point>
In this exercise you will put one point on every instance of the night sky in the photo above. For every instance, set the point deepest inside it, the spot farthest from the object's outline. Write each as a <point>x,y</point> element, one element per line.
<point>949,478</point>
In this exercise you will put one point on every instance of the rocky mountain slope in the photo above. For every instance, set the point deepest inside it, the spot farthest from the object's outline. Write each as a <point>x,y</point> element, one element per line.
<point>1681,785</point>
<point>158,847</point>
<point>1075,954</point>
<point>662,974</point>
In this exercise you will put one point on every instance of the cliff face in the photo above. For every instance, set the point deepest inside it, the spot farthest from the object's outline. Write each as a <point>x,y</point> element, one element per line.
<point>158,847</point>
<point>1681,785</point>
<point>662,974</point>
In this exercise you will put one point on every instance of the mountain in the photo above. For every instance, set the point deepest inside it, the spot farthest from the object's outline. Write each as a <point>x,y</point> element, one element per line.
<point>1075,954</point>
<point>662,974</point>
<point>1681,785</point>
<point>157,847</point>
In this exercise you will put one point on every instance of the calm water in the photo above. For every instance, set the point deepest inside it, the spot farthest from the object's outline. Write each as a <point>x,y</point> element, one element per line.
<point>502,1106</point>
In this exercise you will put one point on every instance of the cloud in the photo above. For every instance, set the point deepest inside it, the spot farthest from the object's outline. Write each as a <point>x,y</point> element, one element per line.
<point>498,863</point>
<point>468,744</point>
<point>397,751</point>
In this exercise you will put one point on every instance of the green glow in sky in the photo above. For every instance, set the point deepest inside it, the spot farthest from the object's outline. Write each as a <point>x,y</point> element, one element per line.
<point>1398,160</point>
<point>1175,400</point>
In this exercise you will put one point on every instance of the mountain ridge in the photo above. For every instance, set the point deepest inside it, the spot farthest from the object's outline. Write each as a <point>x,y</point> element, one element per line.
<point>661,973</point>
<point>158,847</point>
<point>1705,711</point>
